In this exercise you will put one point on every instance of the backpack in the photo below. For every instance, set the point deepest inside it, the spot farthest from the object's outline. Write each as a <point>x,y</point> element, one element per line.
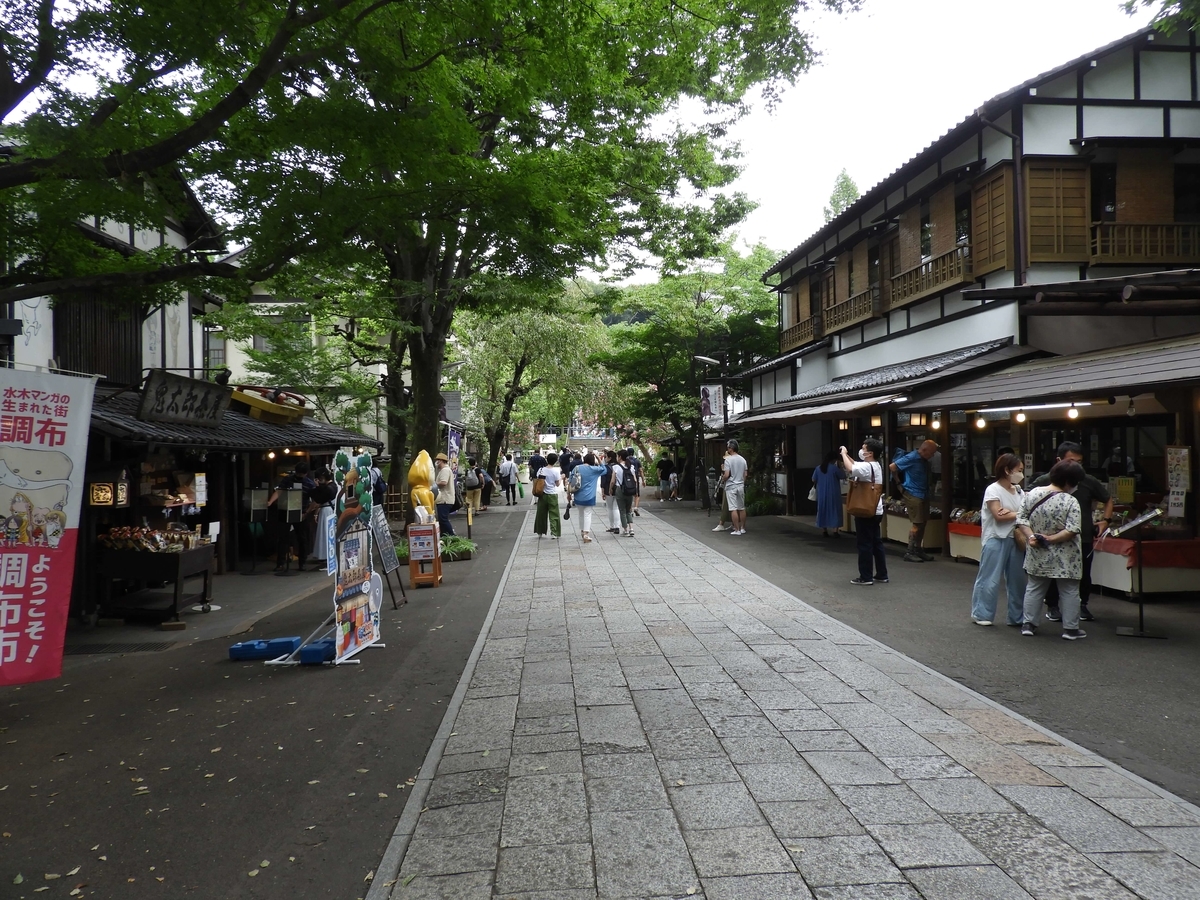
<point>472,480</point>
<point>378,487</point>
<point>629,483</point>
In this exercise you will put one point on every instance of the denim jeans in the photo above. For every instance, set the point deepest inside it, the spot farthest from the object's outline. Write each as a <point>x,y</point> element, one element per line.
<point>1000,557</point>
<point>443,515</point>
<point>1068,599</point>
<point>870,547</point>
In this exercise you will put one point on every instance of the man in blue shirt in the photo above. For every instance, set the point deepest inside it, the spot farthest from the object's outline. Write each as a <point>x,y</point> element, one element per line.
<point>913,470</point>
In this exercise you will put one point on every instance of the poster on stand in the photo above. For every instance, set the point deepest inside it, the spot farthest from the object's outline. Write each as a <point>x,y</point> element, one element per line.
<point>356,616</point>
<point>44,422</point>
<point>383,540</point>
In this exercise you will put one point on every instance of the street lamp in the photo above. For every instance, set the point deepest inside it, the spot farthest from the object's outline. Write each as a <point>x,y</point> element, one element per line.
<point>700,479</point>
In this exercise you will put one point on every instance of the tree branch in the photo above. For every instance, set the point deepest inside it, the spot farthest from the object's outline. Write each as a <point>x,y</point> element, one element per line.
<point>12,92</point>
<point>55,286</point>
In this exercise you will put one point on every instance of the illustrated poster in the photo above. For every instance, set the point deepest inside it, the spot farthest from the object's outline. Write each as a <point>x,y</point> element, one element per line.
<point>44,421</point>
<point>356,617</point>
<point>383,540</point>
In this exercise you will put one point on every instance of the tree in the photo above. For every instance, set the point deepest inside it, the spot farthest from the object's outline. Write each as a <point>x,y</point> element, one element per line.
<point>845,192</point>
<point>718,307</point>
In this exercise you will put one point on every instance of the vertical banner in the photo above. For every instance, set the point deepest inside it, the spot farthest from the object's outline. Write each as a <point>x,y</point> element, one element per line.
<point>356,612</point>
<point>712,402</point>
<point>44,421</point>
<point>454,441</point>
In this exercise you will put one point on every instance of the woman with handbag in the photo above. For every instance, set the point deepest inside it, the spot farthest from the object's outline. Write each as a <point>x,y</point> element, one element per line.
<point>545,487</point>
<point>865,503</point>
<point>827,492</point>
<point>1000,553</point>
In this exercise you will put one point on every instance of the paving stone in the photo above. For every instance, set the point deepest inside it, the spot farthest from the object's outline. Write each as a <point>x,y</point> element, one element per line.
<point>1055,756</point>
<point>601,695</point>
<point>898,741</point>
<point>913,767</point>
<point>804,741</point>
<point>684,743</point>
<point>701,674</point>
<point>1154,812</point>
<point>466,787</point>
<point>1153,874</point>
<point>993,762</point>
<point>546,724</point>
<point>885,804</point>
<point>579,894</point>
<point>738,705</point>
<point>1077,820</point>
<point>758,749</point>
<point>933,844</point>
<point>558,763</point>
<point>860,715</point>
<point>468,886</point>
<point>1184,841</point>
<point>527,709</point>
<point>793,699</point>
<point>801,720</point>
<point>842,860</point>
<point>552,672</point>
<point>1002,727</point>
<point>1036,858</point>
<point>546,743</point>
<point>703,770</point>
<point>545,867</point>
<point>652,682</point>
<point>783,781</point>
<point>541,693</point>
<point>810,818</point>
<point>641,854</point>
<point>470,762</point>
<point>475,852</point>
<point>606,765</point>
<point>626,792</point>
<point>836,767</point>
<point>718,805</point>
<point>743,726</point>
<point>545,809</point>
<point>785,886</point>
<point>469,818</point>
<point>1099,783</point>
<point>737,851</point>
<point>478,741</point>
<point>960,882</point>
<point>869,892</point>
<point>959,795</point>
<point>610,729</point>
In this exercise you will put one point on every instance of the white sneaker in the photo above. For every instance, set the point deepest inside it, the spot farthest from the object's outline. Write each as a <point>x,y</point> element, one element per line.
<point>721,528</point>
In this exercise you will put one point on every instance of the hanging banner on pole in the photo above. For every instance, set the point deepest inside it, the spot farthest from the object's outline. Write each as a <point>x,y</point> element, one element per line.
<point>454,441</point>
<point>712,402</point>
<point>356,623</point>
<point>44,422</point>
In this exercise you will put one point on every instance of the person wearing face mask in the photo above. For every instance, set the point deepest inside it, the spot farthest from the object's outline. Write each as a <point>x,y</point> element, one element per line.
<point>866,528</point>
<point>1000,556</point>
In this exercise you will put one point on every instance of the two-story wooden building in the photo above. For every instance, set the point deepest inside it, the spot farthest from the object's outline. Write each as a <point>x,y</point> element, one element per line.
<point>1059,219</point>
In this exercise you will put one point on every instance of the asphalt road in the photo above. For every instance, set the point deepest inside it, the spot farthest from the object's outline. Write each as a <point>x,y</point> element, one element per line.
<point>183,771</point>
<point>1131,700</point>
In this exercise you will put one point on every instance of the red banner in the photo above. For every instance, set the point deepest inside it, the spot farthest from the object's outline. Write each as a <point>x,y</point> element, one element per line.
<point>44,421</point>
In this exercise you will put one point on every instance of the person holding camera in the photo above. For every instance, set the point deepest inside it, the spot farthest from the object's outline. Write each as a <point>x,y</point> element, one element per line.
<point>1051,522</point>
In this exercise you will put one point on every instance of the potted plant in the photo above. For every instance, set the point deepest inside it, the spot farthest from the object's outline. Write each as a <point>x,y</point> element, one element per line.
<point>455,547</point>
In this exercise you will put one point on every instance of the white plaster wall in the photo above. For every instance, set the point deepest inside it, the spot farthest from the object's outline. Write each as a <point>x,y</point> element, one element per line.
<point>1122,121</point>
<point>919,181</point>
<point>1049,130</point>
<point>1166,76</point>
<point>35,345</point>
<point>996,147</point>
<point>1082,334</point>
<point>1048,273</point>
<point>875,329</point>
<point>1185,123</point>
<point>966,152</point>
<point>1063,86</point>
<point>814,371</point>
<point>1112,77</point>
<point>920,313</point>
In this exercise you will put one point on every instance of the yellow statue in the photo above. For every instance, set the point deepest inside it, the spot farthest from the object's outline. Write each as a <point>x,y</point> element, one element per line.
<point>420,480</point>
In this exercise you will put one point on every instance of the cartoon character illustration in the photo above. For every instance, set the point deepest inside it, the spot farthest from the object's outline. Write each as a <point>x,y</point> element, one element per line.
<point>12,530</point>
<point>353,478</point>
<point>21,507</point>
<point>37,526</point>
<point>420,479</point>
<point>33,478</point>
<point>29,317</point>
<point>56,526</point>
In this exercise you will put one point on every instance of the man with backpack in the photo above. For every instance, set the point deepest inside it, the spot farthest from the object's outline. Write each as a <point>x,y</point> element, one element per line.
<point>473,485</point>
<point>508,480</point>
<point>379,487</point>
<point>639,478</point>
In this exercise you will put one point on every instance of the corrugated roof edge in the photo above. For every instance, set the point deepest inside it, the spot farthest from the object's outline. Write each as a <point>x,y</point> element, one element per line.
<point>780,360</point>
<point>886,185</point>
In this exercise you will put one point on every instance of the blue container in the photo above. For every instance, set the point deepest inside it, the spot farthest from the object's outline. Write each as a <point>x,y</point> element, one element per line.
<point>317,652</point>
<point>271,649</point>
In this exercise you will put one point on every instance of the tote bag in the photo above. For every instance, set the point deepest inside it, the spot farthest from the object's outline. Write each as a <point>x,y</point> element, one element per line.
<point>863,499</point>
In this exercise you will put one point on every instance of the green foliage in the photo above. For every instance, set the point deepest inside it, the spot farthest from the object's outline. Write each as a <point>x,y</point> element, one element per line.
<point>845,192</point>
<point>1169,14</point>
<point>761,503</point>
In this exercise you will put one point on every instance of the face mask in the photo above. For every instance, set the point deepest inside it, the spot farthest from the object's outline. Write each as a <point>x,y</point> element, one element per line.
<point>862,454</point>
<point>1016,477</point>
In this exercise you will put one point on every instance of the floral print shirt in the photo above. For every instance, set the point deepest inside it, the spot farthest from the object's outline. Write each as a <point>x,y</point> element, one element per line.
<point>1059,513</point>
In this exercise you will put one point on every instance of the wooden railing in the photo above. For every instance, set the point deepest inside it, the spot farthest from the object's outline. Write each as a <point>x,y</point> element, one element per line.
<point>1129,242</point>
<point>849,312</point>
<point>797,335</point>
<point>932,276</point>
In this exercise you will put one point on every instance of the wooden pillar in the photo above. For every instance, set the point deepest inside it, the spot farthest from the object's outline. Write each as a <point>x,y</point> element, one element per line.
<point>947,478</point>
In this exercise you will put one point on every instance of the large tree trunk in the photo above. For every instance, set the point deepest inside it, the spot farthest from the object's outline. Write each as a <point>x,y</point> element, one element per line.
<point>427,353</point>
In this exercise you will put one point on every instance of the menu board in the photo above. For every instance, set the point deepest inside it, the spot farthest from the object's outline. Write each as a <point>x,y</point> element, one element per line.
<point>1179,478</point>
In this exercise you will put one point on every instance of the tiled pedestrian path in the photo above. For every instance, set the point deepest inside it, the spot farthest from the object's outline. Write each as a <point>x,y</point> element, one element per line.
<point>650,720</point>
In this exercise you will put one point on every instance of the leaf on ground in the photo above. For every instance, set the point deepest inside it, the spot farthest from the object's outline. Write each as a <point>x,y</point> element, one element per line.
<point>348,716</point>
<point>97,847</point>
<point>50,876</point>
<point>20,879</point>
<point>679,783</point>
<point>315,781</point>
<point>252,872</point>
<point>362,771</point>
<point>210,774</point>
<point>486,752</point>
<point>215,750</point>
<point>382,796</point>
<point>102,858</point>
<point>370,875</point>
<point>408,879</point>
<point>74,871</point>
<point>291,859</point>
<point>264,863</point>
<point>44,887</point>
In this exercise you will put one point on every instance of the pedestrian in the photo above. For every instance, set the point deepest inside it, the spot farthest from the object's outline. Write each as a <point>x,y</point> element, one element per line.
<point>1090,491</point>
<point>610,496</point>
<point>674,482</point>
<point>473,482</point>
<point>639,478</point>
<point>1050,519</point>
<point>868,468</point>
<point>827,479</point>
<point>489,485</point>
<point>665,469</point>
<point>292,538</point>
<point>444,479</point>
<point>588,475</point>
<point>623,487</point>
<point>536,462</point>
<point>508,480</point>
<point>733,479</point>
<point>547,503</point>
<point>914,471</point>
<point>320,508</point>
<point>998,518</point>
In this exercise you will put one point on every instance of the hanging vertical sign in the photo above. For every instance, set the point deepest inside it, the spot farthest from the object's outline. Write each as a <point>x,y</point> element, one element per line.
<point>44,421</point>
<point>356,605</point>
<point>712,402</point>
<point>454,439</point>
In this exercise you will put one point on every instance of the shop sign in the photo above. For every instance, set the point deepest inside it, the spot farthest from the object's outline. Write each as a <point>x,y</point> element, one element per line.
<point>177,400</point>
<point>44,421</point>
<point>383,540</point>
<point>712,402</point>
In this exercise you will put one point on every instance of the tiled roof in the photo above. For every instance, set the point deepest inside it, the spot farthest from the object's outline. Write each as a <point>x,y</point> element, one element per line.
<point>116,416</point>
<point>900,372</point>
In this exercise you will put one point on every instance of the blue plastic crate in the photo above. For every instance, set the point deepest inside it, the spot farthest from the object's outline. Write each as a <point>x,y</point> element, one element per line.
<point>272,649</point>
<point>317,652</point>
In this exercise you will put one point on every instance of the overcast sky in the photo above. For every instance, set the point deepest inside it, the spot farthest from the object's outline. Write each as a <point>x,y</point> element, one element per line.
<point>891,79</point>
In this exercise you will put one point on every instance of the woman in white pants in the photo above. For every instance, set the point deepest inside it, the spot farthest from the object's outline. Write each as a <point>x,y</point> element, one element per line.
<point>610,499</point>
<point>588,475</point>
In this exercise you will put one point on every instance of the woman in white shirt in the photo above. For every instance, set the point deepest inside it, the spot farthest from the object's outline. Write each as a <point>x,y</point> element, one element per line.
<point>1000,556</point>
<point>547,504</point>
<point>866,528</point>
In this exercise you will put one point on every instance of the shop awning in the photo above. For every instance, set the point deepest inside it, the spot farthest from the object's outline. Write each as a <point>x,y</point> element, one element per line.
<point>116,416</point>
<point>799,414</point>
<point>1120,370</point>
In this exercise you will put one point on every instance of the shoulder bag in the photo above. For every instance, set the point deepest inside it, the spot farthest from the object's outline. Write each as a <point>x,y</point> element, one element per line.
<point>863,499</point>
<point>539,484</point>
<point>1018,535</point>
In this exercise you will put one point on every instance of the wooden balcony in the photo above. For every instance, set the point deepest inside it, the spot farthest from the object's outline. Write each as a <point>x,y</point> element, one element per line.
<point>932,277</point>
<point>798,335</point>
<point>858,308</point>
<point>1127,242</point>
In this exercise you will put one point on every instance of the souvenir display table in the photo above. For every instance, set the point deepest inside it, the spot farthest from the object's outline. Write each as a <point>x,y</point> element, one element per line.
<point>1167,566</point>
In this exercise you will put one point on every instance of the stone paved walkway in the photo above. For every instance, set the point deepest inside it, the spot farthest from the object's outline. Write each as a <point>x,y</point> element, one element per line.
<point>650,720</point>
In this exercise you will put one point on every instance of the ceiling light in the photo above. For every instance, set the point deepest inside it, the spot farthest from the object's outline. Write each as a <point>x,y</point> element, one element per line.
<point>876,421</point>
<point>1072,413</point>
<point>981,422</point>
<point>270,454</point>
<point>1132,411</point>
<point>1021,416</point>
<point>935,424</point>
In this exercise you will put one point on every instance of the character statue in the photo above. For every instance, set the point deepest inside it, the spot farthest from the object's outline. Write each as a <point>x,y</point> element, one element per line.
<point>420,479</point>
